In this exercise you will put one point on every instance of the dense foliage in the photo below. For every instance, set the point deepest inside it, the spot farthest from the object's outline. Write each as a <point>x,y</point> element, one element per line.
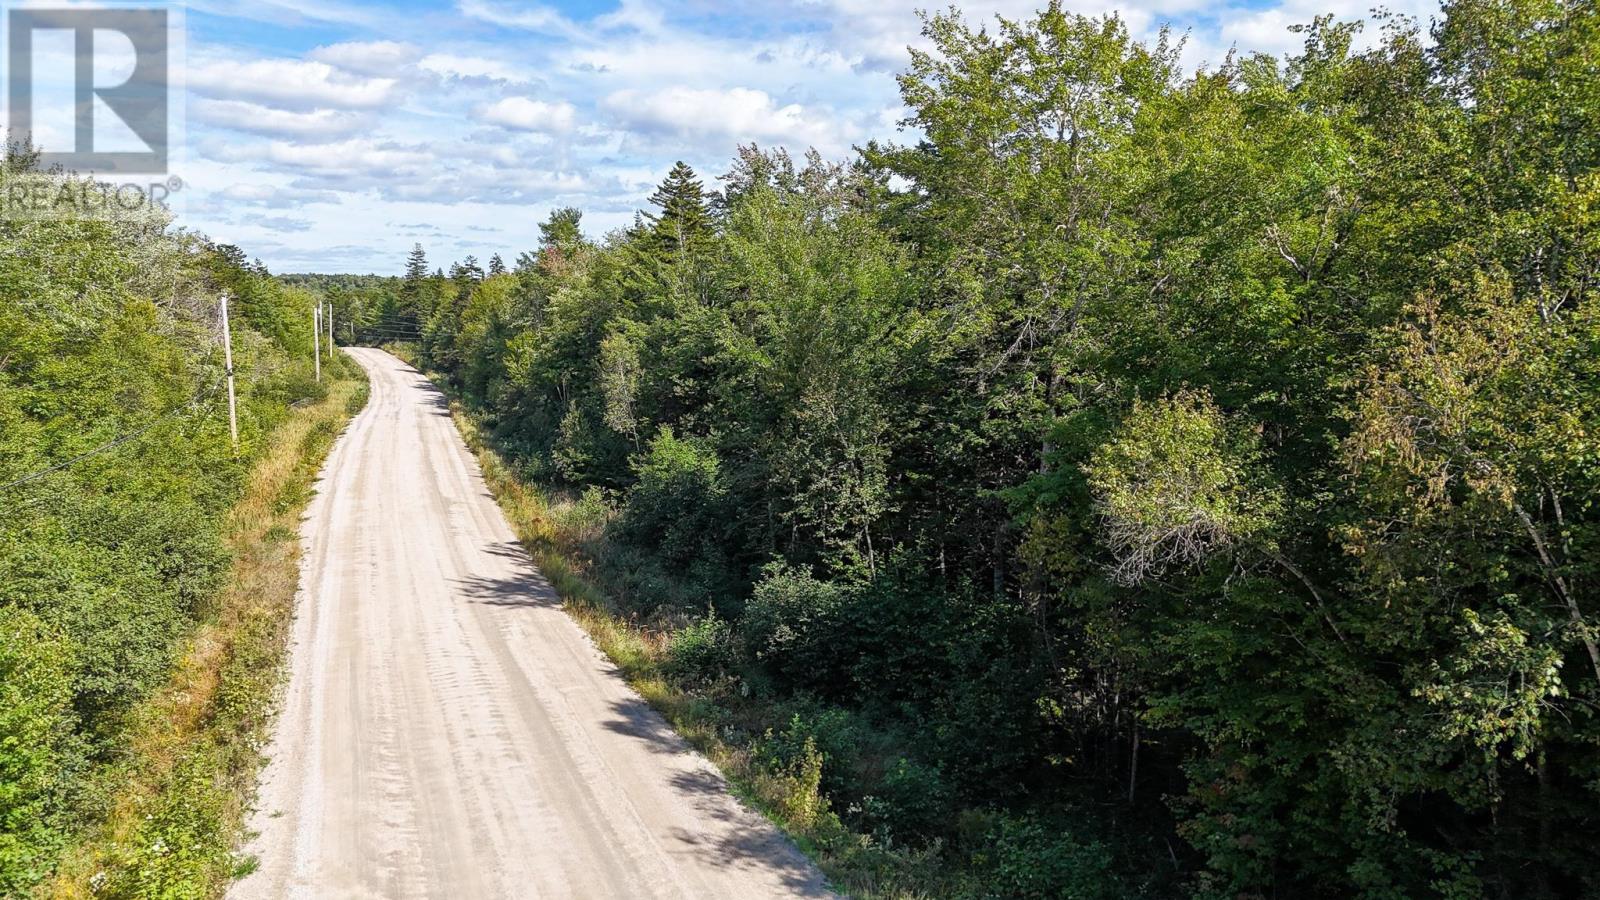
<point>116,470</point>
<point>1143,482</point>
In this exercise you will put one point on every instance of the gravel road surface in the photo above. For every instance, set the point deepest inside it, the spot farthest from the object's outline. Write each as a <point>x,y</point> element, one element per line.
<point>447,731</point>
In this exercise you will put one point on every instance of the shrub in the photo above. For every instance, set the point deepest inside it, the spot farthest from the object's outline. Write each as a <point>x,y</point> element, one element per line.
<point>911,802</point>
<point>791,624</point>
<point>703,651</point>
<point>181,845</point>
<point>828,731</point>
<point>1025,858</point>
<point>36,746</point>
<point>800,799</point>
<point>678,505</point>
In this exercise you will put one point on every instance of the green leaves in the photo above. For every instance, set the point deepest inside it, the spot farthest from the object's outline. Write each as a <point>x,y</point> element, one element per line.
<point>1492,693</point>
<point>1175,484</point>
<point>37,746</point>
<point>110,343</point>
<point>1228,438</point>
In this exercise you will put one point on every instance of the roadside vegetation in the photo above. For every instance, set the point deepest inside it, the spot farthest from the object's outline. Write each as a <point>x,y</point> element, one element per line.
<point>145,570</point>
<point>689,669</point>
<point>1141,483</point>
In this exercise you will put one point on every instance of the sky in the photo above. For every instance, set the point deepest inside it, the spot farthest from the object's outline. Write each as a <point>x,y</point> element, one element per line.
<point>331,135</point>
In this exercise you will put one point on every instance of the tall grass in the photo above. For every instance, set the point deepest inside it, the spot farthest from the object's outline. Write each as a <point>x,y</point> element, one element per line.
<point>194,748</point>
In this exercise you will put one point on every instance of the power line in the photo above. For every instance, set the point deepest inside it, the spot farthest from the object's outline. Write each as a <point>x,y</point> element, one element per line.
<point>381,324</point>
<point>388,332</point>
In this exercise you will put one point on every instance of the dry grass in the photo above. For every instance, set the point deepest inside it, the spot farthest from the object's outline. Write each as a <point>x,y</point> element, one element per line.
<point>194,748</point>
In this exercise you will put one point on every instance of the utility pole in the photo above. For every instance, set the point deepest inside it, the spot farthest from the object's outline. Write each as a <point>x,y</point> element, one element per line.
<point>316,339</point>
<point>331,347</point>
<point>227,362</point>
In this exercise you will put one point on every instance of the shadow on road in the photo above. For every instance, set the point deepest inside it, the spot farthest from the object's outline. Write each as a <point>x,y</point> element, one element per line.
<point>526,587</point>
<point>752,843</point>
<point>749,842</point>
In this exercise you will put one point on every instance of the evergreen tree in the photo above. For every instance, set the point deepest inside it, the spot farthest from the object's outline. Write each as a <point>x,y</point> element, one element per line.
<point>685,218</point>
<point>416,265</point>
<point>497,266</point>
<point>410,311</point>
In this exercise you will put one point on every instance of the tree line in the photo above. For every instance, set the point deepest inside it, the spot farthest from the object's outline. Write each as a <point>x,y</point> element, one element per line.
<point>1141,482</point>
<point>116,475</point>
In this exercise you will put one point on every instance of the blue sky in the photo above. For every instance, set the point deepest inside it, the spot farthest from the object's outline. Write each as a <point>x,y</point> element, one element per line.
<point>331,136</point>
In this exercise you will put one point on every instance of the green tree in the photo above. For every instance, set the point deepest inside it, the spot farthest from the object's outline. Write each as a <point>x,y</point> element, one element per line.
<point>684,221</point>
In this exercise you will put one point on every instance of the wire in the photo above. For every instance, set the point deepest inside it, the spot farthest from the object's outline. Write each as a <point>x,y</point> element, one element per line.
<point>385,326</point>
<point>108,445</point>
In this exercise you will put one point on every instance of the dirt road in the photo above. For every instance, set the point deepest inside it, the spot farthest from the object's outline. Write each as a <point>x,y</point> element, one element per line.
<point>448,731</point>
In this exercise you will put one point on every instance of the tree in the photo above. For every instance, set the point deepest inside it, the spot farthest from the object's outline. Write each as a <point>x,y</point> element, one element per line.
<point>416,265</point>
<point>1185,483</point>
<point>684,221</point>
<point>117,477</point>
<point>561,229</point>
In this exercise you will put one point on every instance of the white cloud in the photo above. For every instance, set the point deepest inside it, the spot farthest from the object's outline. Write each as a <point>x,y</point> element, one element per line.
<point>740,113</point>
<point>272,195</point>
<point>290,82</point>
<point>523,114</point>
<point>524,16</point>
<point>449,65</point>
<point>449,189</point>
<point>242,115</point>
<point>280,13</point>
<point>275,223</point>
<point>368,57</point>
<point>370,159</point>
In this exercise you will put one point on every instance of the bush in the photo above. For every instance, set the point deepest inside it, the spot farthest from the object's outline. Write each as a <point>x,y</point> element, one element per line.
<point>36,746</point>
<point>1025,858</point>
<point>294,383</point>
<point>703,651</point>
<point>110,603</point>
<point>791,624</point>
<point>801,800</point>
<point>830,732</point>
<point>181,845</point>
<point>678,506</point>
<point>911,803</point>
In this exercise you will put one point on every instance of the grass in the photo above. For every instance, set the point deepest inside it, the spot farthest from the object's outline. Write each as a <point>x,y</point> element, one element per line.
<point>180,797</point>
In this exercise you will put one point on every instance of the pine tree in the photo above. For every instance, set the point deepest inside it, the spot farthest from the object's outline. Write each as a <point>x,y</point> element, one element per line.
<point>411,310</point>
<point>497,266</point>
<point>416,265</point>
<point>685,218</point>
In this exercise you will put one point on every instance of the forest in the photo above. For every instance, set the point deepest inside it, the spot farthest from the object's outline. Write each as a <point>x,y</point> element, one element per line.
<point>1135,483</point>
<point>117,475</point>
